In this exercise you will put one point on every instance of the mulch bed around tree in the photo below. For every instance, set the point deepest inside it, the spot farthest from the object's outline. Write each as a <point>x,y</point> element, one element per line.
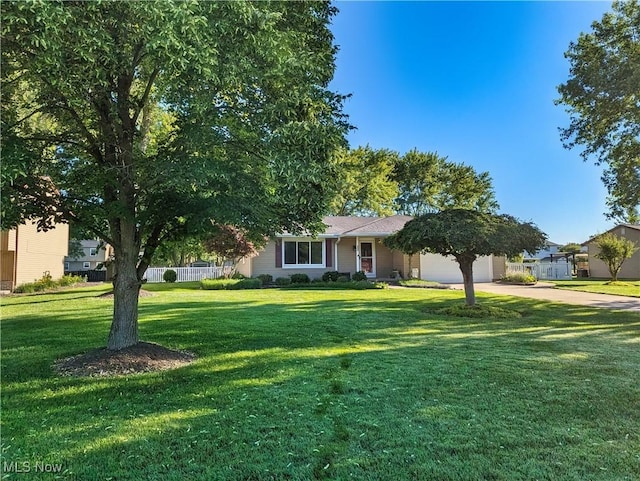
<point>141,357</point>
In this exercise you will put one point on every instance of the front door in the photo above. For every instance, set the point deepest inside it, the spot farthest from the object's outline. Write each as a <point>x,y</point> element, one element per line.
<point>367,260</point>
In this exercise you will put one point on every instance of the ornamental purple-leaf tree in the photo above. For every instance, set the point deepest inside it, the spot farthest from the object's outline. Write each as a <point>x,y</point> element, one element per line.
<point>231,244</point>
<point>466,235</point>
<point>142,121</point>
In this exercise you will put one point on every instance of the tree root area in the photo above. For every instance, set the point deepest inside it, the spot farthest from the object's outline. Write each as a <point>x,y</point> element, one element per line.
<point>139,358</point>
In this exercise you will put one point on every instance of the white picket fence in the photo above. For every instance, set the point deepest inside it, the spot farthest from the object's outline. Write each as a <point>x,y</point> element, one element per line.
<point>542,270</point>
<point>185,274</point>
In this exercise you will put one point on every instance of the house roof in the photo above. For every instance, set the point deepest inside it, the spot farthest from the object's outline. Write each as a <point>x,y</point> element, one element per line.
<point>377,226</point>
<point>628,226</point>
<point>341,226</point>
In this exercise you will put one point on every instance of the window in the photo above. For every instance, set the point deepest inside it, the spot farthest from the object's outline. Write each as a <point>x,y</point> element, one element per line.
<point>93,251</point>
<point>86,265</point>
<point>303,253</point>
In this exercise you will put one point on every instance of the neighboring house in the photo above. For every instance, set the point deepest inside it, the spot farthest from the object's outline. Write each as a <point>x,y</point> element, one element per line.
<point>352,244</point>
<point>26,254</point>
<point>630,268</point>
<point>94,255</point>
<point>550,251</point>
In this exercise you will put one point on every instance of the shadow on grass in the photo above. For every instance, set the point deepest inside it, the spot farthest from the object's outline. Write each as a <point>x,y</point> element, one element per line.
<point>280,375</point>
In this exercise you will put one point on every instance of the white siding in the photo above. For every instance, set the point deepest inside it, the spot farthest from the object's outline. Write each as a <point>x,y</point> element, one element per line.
<point>434,267</point>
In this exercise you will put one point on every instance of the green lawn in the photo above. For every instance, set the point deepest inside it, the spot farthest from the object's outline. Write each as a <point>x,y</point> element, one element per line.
<point>303,385</point>
<point>621,288</point>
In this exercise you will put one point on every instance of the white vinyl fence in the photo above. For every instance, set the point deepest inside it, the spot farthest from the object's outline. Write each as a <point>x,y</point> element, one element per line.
<point>185,274</point>
<point>542,270</point>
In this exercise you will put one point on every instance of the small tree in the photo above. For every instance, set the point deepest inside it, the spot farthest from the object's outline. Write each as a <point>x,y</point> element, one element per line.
<point>230,243</point>
<point>614,251</point>
<point>467,235</point>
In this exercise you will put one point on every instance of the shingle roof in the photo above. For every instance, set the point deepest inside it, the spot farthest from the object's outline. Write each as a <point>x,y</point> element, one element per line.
<point>628,226</point>
<point>360,226</point>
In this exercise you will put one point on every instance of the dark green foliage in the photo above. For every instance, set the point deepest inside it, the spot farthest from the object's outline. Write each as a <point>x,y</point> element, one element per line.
<point>330,276</point>
<point>144,121</point>
<point>266,279</point>
<point>342,283</point>
<point>359,276</point>
<point>283,281</point>
<point>601,96</point>
<point>300,278</point>
<point>466,235</point>
<point>230,284</point>
<point>169,275</point>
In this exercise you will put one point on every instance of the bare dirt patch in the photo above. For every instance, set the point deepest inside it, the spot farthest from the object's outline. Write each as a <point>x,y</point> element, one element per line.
<point>139,358</point>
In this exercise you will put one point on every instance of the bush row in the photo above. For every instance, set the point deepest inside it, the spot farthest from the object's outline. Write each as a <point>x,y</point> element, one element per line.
<point>295,280</point>
<point>230,284</point>
<point>46,282</point>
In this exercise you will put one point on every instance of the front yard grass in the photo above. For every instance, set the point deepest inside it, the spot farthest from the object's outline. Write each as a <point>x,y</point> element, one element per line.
<point>620,288</point>
<point>303,385</point>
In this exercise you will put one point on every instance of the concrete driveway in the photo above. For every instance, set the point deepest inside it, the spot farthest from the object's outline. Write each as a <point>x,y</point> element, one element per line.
<point>548,292</point>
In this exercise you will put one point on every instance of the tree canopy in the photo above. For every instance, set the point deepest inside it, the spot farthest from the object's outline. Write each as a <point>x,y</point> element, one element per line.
<point>383,182</point>
<point>144,121</point>
<point>365,186</point>
<point>466,235</point>
<point>602,96</point>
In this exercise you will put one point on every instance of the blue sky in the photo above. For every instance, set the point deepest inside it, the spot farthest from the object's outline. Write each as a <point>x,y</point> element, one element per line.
<point>476,82</point>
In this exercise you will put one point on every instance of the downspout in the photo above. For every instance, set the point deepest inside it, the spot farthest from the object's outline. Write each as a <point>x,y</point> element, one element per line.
<point>357,254</point>
<point>15,262</point>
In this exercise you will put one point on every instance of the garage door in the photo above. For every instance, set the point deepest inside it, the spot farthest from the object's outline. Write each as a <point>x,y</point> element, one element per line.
<point>434,267</point>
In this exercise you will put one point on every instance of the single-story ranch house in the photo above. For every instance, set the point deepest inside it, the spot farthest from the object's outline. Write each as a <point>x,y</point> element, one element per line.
<point>352,244</point>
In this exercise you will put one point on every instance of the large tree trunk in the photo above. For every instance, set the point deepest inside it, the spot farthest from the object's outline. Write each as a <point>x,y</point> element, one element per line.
<point>466,267</point>
<point>126,288</point>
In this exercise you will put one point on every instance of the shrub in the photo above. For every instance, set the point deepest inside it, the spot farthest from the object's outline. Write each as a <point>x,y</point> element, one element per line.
<point>170,276</point>
<point>47,283</point>
<point>330,276</point>
<point>359,276</point>
<point>300,279</point>
<point>266,279</point>
<point>342,279</point>
<point>518,278</point>
<point>230,284</point>
<point>283,281</point>
<point>71,280</point>
<point>346,284</point>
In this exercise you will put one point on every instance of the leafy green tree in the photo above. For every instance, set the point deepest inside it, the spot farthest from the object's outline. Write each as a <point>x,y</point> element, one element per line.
<point>613,251</point>
<point>601,96</point>
<point>366,186</point>
<point>144,121</point>
<point>416,174</point>
<point>178,253</point>
<point>467,235</point>
<point>428,183</point>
